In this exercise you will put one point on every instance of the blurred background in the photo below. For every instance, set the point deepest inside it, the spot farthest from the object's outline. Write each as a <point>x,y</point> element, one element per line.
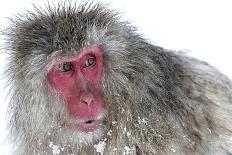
<point>203,28</point>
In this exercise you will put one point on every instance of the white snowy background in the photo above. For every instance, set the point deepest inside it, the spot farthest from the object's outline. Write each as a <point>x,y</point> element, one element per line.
<point>202,27</point>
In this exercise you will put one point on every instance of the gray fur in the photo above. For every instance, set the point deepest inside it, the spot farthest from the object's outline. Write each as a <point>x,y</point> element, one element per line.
<point>156,101</point>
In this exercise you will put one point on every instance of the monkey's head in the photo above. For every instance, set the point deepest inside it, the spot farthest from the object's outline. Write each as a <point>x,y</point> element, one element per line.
<point>73,71</point>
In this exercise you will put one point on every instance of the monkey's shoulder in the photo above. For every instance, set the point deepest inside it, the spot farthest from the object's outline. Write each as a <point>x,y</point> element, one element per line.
<point>210,95</point>
<point>209,79</point>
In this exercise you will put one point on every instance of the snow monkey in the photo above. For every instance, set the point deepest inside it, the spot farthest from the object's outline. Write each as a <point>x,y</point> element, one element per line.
<point>83,81</point>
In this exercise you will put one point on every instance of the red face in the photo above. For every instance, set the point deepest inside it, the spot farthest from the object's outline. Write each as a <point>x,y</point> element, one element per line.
<point>78,80</point>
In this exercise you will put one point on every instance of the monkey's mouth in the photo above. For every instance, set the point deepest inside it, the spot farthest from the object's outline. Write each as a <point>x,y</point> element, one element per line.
<point>88,125</point>
<point>89,121</point>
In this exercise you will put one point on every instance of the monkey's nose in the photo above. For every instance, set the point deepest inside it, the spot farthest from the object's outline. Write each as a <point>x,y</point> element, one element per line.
<point>86,98</point>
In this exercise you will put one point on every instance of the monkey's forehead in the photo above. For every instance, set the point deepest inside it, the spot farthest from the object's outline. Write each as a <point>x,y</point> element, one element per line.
<point>63,27</point>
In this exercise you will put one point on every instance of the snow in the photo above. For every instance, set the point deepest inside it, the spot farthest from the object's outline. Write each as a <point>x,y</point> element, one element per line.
<point>128,134</point>
<point>173,150</point>
<point>109,132</point>
<point>143,120</point>
<point>100,147</point>
<point>209,130</point>
<point>55,148</point>
<point>127,150</point>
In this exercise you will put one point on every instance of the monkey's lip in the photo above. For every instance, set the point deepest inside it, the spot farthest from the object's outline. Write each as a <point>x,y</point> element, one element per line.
<point>89,125</point>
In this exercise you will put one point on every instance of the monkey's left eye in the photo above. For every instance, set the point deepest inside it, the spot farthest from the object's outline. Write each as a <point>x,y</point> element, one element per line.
<point>65,67</point>
<point>90,61</point>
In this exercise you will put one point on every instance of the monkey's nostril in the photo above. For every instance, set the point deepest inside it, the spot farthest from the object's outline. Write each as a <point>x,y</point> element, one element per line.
<point>86,98</point>
<point>85,102</point>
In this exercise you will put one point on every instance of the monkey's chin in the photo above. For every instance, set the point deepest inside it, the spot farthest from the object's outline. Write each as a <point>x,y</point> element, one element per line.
<point>89,126</point>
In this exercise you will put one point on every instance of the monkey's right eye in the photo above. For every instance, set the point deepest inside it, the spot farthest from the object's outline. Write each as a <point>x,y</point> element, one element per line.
<point>65,67</point>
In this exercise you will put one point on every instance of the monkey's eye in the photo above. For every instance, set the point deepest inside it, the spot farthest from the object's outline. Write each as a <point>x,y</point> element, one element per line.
<point>65,67</point>
<point>90,61</point>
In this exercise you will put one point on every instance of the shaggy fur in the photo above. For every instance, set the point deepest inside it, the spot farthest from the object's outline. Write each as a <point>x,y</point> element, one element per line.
<point>156,101</point>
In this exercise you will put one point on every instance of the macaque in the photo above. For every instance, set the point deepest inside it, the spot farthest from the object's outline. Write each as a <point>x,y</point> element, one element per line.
<point>83,82</point>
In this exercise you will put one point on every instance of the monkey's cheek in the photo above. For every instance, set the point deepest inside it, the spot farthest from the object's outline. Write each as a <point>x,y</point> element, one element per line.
<point>87,127</point>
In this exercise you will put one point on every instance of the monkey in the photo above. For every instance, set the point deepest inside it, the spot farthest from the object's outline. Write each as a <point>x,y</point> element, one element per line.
<point>83,81</point>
